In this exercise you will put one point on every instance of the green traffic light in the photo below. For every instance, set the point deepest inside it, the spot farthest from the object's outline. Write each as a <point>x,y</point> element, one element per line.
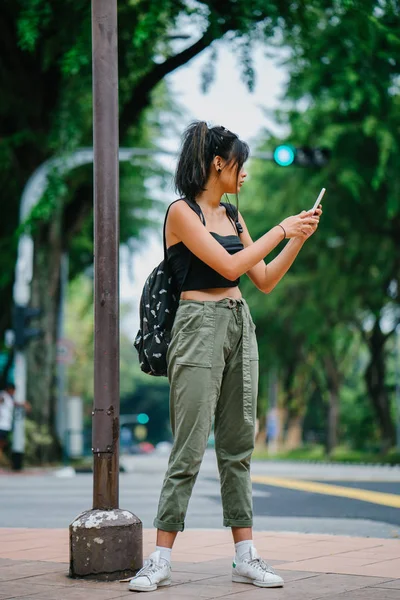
<point>143,419</point>
<point>284,155</point>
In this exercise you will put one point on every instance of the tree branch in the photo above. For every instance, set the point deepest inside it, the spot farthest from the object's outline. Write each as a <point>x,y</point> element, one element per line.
<point>140,94</point>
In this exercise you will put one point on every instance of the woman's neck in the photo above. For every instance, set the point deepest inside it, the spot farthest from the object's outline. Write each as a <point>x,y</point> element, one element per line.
<point>210,198</point>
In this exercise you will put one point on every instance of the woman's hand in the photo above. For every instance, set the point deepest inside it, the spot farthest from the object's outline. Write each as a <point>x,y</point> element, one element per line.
<point>314,227</point>
<point>302,225</point>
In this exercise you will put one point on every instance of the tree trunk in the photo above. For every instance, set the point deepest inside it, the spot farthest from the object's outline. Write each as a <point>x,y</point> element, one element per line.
<point>45,295</point>
<point>375,377</point>
<point>294,434</point>
<point>333,421</point>
<point>333,379</point>
<point>295,388</point>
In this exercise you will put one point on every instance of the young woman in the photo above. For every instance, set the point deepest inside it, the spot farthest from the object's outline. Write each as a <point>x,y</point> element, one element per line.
<point>213,355</point>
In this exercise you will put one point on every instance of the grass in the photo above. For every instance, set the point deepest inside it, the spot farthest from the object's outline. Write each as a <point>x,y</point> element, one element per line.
<point>341,454</point>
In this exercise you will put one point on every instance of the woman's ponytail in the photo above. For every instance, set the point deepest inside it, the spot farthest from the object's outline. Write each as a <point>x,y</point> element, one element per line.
<point>199,147</point>
<point>193,166</point>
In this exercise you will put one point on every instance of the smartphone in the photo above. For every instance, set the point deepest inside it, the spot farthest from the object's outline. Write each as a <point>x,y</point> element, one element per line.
<point>318,201</point>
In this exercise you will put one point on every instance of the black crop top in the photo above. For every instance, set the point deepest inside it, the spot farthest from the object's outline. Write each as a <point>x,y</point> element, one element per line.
<point>200,276</point>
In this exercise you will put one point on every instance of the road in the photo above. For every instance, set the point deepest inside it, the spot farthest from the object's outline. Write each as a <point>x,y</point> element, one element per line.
<point>307,498</point>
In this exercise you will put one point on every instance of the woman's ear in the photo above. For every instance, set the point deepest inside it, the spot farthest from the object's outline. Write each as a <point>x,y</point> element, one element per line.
<point>218,163</point>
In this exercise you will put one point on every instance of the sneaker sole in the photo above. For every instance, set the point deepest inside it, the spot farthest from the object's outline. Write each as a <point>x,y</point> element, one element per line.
<point>240,579</point>
<point>150,588</point>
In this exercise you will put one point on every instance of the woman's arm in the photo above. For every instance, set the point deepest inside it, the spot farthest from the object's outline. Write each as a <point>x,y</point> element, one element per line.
<point>187,227</point>
<point>267,277</point>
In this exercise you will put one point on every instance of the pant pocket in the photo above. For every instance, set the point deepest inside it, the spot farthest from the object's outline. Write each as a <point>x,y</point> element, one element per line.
<point>189,317</point>
<point>195,348</point>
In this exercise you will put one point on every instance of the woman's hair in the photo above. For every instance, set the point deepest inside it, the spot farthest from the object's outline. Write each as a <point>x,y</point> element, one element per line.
<point>200,146</point>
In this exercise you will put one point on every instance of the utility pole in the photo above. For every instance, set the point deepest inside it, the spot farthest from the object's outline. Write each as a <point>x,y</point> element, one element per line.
<point>105,542</point>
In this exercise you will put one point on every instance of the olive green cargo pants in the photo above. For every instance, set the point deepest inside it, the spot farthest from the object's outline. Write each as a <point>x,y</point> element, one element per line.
<point>213,373</point>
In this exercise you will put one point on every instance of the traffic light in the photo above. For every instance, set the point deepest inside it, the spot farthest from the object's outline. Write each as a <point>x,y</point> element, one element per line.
<point>21,317</point>
<point>284,155</point>
<point>303,156</point>
<point>143,419</point>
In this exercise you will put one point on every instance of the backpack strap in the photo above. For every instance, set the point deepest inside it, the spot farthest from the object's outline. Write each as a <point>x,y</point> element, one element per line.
<point>233,215</point>
<point>196,208</point>
<point>164,228</point>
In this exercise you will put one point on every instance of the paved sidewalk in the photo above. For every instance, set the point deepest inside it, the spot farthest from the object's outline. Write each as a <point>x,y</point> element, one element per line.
<point>34,564</point>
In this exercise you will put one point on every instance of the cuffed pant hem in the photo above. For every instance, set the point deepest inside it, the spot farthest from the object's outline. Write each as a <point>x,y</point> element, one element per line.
<point>168,526</point>
<point>235,523</point>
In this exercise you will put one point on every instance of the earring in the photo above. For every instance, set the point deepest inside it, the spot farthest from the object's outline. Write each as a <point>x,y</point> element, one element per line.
<point>219,170</point>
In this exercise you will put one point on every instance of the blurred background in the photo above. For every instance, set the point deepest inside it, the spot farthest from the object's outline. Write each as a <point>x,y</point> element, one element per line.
<point>313,87</point>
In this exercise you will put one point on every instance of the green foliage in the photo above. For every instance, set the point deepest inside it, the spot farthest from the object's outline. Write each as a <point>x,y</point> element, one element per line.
<point>341,455</point>
<point>39,443</point>
<point>46,101</point>
<point>138,392</point>
<point>342,93</point>
<point>79,309</point>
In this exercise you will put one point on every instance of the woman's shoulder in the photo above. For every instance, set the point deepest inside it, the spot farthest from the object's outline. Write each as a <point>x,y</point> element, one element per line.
<point>177,204</point>
<point>183,207</point>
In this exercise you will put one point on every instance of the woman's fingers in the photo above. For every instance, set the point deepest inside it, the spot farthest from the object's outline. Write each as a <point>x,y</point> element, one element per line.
<point>308,217</point>
<point>307,230</point>
<point>310,221</point>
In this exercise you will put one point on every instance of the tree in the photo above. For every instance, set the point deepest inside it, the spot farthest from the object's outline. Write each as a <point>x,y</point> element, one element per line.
<point>46,108</point>
<point>343,93</point>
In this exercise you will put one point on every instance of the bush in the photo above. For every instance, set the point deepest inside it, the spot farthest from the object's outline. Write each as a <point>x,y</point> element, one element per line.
<point>38,443</point>
<point>341,454</point>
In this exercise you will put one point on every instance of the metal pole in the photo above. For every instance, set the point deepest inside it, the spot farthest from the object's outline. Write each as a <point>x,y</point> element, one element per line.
<point>120,552</point>
<point>105,439</point>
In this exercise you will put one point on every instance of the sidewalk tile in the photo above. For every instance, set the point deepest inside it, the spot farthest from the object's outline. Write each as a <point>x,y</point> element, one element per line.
<point>5,562</point>
<point>26,569</point>
<point>313,567</point>
<point>180,577</point>
<point>21,546</point>
<point>328,564</point>
<point>389,569</point>
<point>44,554</point>
<point>383,554</point>
<point>326,584</point>
<point>326,587</point>
<point>367,594</point>
<point>393,585</point>
<point>325,565</point>
<point>218,566</point>
<point>20,589</point>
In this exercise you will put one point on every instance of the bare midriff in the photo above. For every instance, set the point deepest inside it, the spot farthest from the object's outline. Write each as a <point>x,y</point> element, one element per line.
<point>213,294</point>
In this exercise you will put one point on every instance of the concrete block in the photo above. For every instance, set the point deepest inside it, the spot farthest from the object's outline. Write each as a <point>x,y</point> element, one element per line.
<point>105,544</point>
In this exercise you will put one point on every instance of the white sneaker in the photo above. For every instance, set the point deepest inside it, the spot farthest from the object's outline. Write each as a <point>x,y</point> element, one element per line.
<point>156,572</point>
<point>256,571</point>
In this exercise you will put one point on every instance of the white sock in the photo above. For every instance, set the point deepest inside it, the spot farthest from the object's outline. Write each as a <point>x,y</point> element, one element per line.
<point>165,553</point>
<point>243,550</point>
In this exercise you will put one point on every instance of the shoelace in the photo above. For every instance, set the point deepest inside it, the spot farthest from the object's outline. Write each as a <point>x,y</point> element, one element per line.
<point>150,567</point>
<point>259,563</point>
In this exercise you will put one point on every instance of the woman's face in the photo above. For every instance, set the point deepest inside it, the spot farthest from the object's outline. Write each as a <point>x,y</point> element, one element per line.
<point>229,179</point>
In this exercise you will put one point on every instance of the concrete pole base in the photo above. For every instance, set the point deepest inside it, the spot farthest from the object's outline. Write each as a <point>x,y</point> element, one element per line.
<point>105,545</point>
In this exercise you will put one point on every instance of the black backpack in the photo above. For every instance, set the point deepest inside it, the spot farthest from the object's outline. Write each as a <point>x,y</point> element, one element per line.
<point>159,303</point>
